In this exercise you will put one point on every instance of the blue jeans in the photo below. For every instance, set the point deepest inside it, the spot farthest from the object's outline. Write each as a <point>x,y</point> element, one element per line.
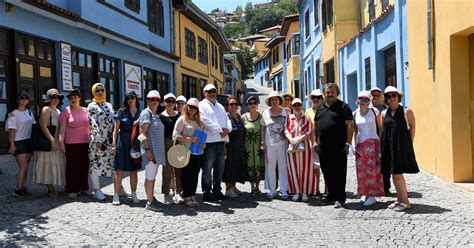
<point>213,161</point>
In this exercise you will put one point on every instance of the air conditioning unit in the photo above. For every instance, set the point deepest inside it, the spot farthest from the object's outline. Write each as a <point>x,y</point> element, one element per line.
<point>180,4</point>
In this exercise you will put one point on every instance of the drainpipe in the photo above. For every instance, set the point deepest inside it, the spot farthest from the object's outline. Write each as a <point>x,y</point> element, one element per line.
<point>430,40</point>
<point>359,18</point>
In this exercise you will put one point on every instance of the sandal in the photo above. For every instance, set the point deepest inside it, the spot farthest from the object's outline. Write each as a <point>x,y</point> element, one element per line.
<point>401,207</point>
<point>393,205</point>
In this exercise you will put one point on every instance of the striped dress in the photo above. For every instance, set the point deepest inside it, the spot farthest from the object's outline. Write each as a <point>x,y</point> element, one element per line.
<point>301,175</point>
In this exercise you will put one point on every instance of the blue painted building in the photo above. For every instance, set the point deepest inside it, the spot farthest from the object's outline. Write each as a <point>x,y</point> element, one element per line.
<point>378,55</point>
<point>311,48</point>
<point>261,70</point>
<point>127,45</point>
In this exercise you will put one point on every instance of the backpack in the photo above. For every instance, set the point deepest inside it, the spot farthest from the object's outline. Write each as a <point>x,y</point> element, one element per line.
<point>135,143</point>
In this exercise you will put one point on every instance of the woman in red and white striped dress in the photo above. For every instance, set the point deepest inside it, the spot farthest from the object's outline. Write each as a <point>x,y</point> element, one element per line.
<point>301,175</point>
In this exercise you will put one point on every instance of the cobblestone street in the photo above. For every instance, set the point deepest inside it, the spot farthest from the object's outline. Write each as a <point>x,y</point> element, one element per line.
<point>442,214</point>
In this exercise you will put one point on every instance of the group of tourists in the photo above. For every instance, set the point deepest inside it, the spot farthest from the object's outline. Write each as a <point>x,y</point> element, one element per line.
<point>284,146</point>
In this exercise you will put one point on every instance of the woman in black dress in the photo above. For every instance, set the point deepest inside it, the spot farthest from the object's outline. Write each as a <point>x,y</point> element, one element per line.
<point>398,131</point>
<point>235,162</point>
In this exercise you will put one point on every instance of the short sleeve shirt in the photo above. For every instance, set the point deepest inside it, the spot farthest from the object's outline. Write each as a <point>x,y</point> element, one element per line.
<point>77,126</point>
<point>332,128</point>
<point>155,135</point>
<point>22,121</point>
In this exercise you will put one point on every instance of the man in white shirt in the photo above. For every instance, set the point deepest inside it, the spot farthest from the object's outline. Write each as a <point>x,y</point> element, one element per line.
<point>217,126</point>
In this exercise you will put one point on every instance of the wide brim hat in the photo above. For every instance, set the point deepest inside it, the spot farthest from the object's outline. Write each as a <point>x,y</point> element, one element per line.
<point>274,94</point>
<point>52,92</point>
<point>74,92</point>
<point>392,89</point>
<point>288,94</point>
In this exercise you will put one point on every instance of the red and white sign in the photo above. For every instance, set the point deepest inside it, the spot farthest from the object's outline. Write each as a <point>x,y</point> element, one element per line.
<point>133,79</point>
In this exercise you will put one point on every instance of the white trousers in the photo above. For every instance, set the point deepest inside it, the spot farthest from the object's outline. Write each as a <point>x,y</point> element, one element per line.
<point>276,155</point>
<point>94,183</point>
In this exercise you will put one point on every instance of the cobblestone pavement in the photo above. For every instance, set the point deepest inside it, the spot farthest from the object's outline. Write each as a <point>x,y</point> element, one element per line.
<point>442,214</point>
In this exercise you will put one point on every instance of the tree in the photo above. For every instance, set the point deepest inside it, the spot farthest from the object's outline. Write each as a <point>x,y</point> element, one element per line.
<point>285,7</point>
<point>239,10</point>
<point>262,19</point>
<point>248,56</point>
<point>215,10</point>
<point>235,29</point>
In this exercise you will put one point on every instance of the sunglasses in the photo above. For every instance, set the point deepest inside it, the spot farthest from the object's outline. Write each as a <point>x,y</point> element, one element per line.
<point>24,98</point>
<point>211,91</point>
<point>180,103</point>
<point>234,104</point>
<point>100,90</point>
<point>130,98</point>
<point>192,107</point>
<point>317,97</point>
<point>153,99</point>
<point>364,100</point>
<point>376,95</point>
<point>297,105</point>
<point>391,95</point>
<point>170,101</point>
<point>253,103</point>
<point>53,97</point>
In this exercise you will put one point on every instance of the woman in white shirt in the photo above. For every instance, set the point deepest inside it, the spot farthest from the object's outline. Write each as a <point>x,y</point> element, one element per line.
<point>19,124</point>
<point>367,150</point>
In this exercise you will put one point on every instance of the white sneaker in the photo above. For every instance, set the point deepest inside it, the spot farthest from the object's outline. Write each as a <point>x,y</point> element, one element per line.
<point>304,197</point>
<point>178,199</point>
<point>135,198</point>
<point>296,197</point>
<point>362,199</point>
<point>169,199</point>
<point>370,201</point>
<point>337,204</point>
<point>231,193</point>
<point>116,200</point>
<point>99,195</point>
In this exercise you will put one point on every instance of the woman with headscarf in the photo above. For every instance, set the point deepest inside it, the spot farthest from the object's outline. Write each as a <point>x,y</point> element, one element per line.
<point>49,167</point>
<point>101,118</point>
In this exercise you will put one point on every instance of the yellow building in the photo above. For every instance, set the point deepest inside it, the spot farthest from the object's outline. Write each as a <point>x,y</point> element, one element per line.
<point>442,86</point>
<point>371,9</point>
<point>275,69</point>
<point>290,30</point>
<point>339,23</point>
<point>200,43</point>
<point>259,46</point>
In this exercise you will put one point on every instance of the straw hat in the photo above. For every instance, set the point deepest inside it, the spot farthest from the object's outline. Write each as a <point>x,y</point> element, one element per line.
<point>274,94</point>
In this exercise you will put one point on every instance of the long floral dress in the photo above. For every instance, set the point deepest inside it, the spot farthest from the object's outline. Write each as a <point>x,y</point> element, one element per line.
<point>301,175</point>
<point>253,151</point>
<point>101,119</point>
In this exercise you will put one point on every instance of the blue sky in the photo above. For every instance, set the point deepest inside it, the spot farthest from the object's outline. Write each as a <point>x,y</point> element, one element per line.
<point>229,5</point>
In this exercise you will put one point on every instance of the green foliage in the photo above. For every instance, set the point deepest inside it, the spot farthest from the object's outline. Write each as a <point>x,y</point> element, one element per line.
<point>258,19</point>
<point>248,56</point>
<point>233,30</point>
<point>215,10</point>
<point>239,10</point>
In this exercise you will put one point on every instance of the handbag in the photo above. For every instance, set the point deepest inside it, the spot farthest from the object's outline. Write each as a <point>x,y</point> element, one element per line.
<point>178,155</point>
<point>295,147</point>
<point>39,141</point>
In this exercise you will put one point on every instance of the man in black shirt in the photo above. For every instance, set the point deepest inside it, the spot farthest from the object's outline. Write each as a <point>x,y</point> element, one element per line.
<point>334,129</point>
